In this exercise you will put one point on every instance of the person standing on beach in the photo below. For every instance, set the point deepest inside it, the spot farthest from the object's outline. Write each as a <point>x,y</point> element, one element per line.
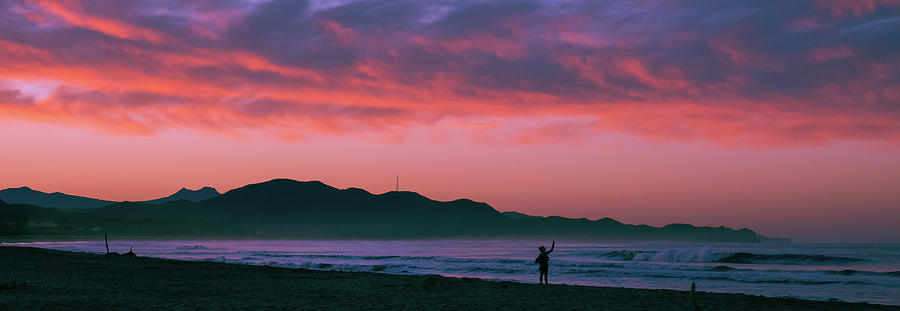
<point>544,261</point>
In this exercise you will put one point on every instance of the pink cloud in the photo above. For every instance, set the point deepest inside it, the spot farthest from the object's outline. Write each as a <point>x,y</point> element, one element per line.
<point>290,70</point>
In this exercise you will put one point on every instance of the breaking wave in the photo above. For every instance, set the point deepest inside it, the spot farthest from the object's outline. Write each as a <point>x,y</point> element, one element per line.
<point>787,259</point>
<point>857,272</point>
<point>705,255</point>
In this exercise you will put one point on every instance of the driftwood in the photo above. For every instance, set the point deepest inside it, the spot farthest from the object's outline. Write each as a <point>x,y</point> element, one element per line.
<point>129,254</point>
<point>15,283</point>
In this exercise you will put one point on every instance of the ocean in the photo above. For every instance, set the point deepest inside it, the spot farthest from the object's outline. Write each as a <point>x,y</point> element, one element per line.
<point>818,271</point>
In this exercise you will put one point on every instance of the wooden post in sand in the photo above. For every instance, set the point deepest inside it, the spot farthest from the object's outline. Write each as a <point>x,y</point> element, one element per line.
<point>106,239</point>
<point>694,296</point>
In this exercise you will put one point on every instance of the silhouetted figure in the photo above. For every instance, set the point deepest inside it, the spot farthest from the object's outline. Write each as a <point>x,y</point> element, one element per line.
<point>544,261</point>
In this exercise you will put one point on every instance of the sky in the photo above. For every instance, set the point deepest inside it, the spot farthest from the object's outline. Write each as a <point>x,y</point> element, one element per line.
<point>779,116</point>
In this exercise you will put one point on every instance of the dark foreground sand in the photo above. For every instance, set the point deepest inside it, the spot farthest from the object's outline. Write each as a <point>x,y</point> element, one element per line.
<point>78,281</point>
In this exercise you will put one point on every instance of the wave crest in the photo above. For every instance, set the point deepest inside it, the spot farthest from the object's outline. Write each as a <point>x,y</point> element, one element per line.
<point>706,255</point>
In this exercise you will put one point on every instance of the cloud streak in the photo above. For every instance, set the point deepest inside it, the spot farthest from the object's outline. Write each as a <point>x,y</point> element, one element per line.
<point>753,73</point>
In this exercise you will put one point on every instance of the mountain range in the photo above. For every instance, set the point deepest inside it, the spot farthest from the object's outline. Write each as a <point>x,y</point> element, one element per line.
<point>188,194</point>
<point>25,195</point>
<point>283,208</point>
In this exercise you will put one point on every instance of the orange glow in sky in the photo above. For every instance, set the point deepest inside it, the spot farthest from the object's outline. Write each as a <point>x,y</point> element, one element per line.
<point>783,118</point>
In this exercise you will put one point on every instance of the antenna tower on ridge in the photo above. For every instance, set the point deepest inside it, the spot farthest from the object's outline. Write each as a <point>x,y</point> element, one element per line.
<point>398,183</point>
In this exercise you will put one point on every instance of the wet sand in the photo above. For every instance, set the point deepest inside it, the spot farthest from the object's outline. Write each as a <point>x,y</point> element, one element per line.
<point>58,280</point>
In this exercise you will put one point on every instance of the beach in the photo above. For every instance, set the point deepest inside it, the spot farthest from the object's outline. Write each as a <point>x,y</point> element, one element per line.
<point>60,280</point>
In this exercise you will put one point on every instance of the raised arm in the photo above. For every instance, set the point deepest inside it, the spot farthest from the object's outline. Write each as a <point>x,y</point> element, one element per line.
<point>551,247</point>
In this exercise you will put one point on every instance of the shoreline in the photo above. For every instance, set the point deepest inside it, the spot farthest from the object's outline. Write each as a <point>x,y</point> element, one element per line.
<point>99,237</point>
<point>74,280</point>
<point>120,237</point>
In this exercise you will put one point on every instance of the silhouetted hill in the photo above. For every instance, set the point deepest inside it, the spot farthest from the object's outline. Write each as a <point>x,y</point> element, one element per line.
<point>26,219</point>
<point>25,195</point>
<point>517,215</point>
<point>188,194</point>
<point>284,207</point>
<point>289,208</point>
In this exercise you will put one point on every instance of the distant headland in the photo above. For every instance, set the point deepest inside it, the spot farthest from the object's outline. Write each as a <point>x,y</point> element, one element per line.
<point>284,208</point>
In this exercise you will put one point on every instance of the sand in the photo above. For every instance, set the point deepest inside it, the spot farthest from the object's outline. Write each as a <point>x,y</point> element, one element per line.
<point>58,280</point>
